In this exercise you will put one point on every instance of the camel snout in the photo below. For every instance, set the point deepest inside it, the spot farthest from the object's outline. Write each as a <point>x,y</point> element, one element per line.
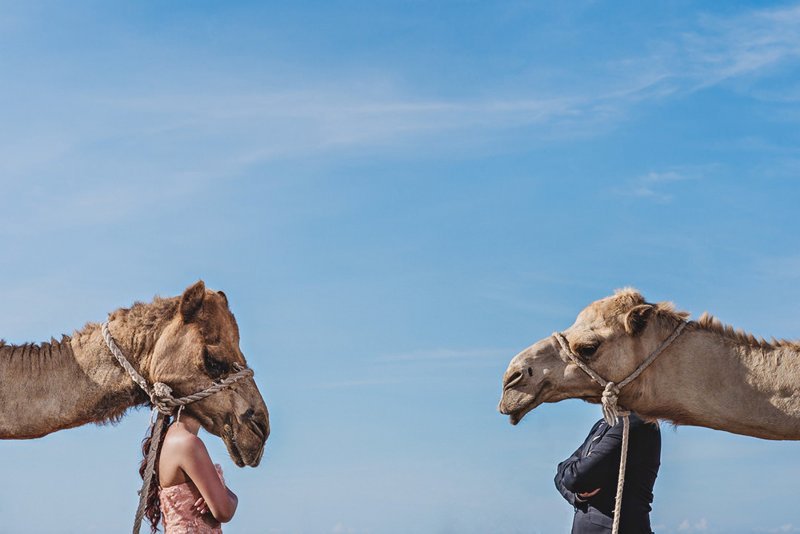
<point>258,425</point>
<point>512,380</point>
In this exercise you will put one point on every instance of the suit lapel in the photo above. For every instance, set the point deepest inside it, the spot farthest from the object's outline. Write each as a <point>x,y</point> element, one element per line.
<point>597,435</point>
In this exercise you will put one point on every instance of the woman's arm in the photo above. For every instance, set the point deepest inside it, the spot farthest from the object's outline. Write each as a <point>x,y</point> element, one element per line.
<point>197,465</point>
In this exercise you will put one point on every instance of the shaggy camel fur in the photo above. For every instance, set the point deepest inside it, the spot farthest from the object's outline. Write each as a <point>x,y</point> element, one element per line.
<point>710,376</point>
<point>185,342</point>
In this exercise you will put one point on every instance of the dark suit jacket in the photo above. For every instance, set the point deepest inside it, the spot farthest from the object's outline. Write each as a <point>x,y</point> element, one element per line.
<point>596,465</point>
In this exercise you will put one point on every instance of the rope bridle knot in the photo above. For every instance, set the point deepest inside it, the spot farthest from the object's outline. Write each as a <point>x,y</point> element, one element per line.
<point>163,402</point>
<point>160,395</point>
<point>611,411</point>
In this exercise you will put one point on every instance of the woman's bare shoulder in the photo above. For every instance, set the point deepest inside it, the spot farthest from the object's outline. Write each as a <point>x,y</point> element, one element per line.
<point>181,441</point>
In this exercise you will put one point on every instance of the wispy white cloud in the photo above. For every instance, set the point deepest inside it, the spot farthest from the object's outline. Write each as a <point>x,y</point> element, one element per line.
<point>787,527</point>
<point>693,526</point>
<point>659,186</point>
<point>715,49</point>
<point>653,184</point>
<point>338,115</point>
<point>330,120</point>
<point>341,528</point>
<point>91,202</point>
<point>744,44</point>
<point>223,132</point>
<point>648,185</point>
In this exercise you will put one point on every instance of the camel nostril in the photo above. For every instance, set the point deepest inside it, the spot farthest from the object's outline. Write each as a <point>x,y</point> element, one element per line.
<point>530,371</point>
<point>248,414</point>
<point>259,428</point>
<point>513,379</point>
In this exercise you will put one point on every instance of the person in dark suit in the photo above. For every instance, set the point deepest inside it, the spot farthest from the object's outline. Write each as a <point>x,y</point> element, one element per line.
<point>588,478</point>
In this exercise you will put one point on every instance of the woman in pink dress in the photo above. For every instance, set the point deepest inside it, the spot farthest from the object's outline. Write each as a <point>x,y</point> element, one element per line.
<point>189,492</point>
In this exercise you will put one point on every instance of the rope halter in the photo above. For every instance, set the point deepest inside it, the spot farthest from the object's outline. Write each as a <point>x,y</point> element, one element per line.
<point>165,404</point>
<point>610,396</point>
<point>161,394</point>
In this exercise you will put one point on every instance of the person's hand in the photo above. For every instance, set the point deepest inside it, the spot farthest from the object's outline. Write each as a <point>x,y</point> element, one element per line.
<point>588,494</point>
<point>200,506</point>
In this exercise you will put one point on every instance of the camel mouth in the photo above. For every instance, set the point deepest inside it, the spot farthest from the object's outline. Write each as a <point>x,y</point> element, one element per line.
<point>516,415</point>
<point>244,454</point>
<point>262,432</point>
<point>235,452</point>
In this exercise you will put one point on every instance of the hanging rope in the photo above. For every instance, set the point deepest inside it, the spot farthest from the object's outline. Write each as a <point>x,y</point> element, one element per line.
<point>609,399</point>
<point>623,463</point>
<point>165,404</point>
<point>150,468</point>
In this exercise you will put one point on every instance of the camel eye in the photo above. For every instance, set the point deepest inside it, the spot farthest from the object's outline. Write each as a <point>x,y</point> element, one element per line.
<point>587,351</point>
<point>214,367</point>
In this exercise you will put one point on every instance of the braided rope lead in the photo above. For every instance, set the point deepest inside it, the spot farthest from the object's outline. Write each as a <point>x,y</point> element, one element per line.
<point>609,399</point>
<point>150,468</point>
<point>165,404</point>
<point>623,463</point>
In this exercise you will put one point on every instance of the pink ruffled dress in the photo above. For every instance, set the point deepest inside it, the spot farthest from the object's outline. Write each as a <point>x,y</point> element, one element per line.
<point>178,513</point>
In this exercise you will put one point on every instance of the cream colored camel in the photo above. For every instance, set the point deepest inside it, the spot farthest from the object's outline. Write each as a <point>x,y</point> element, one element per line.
<point>185,342</point>
<point>710,376</point>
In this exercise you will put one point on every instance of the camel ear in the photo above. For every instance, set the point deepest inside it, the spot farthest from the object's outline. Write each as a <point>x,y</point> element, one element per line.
<point>636,319</point>
<point>192,301</point>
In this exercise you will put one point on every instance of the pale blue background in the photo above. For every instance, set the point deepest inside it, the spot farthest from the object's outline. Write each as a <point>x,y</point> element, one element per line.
<point>397,197</point>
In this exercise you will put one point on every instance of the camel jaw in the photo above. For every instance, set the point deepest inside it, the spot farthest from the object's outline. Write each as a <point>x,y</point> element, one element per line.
<point>240,455</point>
<point>229,439</point>
<point>524,404</point>
<point>515,416</point>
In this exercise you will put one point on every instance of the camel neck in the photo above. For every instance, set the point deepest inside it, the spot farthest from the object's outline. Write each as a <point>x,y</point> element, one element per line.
<point>713,379</point>
<point>75,381</point>
<point>136,330</point>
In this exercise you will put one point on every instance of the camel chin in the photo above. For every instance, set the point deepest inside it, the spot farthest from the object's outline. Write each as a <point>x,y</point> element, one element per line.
<point>244,448</point>
<point>517,415</point>
<point>517,408</point>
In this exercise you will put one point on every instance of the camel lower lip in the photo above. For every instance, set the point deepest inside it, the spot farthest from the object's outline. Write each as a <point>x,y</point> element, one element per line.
<point>233,449</point>
<point>516,416</point>
<point>237,456</point>
<point>259,456</point>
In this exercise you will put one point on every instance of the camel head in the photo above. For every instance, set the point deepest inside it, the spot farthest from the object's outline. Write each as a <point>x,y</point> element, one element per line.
<point>200,344</point>
<point>612,336</point>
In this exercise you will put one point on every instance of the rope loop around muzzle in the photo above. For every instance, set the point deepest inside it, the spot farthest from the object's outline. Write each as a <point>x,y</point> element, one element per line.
<point>165,404</point>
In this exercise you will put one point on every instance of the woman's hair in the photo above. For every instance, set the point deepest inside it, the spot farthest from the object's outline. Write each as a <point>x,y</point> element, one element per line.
<point>153,508</point>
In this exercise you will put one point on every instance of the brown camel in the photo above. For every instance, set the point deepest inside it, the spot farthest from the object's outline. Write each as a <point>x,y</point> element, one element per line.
<point>185,342</point>
<point>710,376</point>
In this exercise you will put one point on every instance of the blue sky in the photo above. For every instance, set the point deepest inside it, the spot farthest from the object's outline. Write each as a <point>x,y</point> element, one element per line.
<point>397,197</point>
